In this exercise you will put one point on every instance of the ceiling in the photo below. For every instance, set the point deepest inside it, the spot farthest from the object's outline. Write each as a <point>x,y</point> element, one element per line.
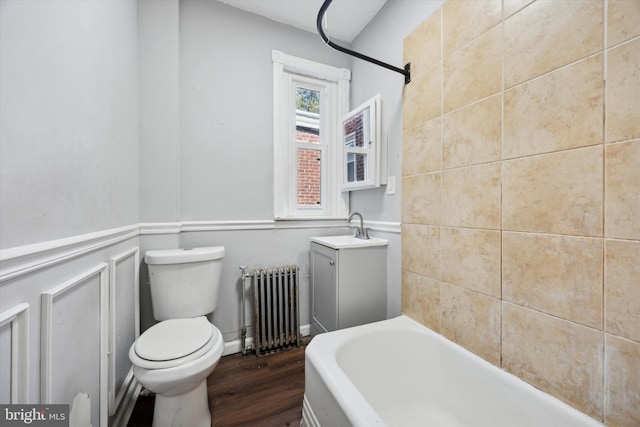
<point>344,20</point>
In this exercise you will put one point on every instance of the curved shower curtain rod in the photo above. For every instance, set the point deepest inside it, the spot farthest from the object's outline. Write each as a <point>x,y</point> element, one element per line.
<point>406,71</point>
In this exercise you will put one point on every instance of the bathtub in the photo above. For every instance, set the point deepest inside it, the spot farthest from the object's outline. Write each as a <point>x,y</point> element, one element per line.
<point>400,373</point>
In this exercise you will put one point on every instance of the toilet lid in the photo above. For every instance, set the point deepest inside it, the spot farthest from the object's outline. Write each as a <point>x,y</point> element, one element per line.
<point>172,339</point>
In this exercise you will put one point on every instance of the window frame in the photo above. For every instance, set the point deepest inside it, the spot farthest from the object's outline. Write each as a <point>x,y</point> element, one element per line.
<point>322,146</point>
<point>289,72</point>
<point>371,148</point>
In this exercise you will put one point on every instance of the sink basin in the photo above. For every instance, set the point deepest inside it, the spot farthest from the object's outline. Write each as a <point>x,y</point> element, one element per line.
<point>346,242</point>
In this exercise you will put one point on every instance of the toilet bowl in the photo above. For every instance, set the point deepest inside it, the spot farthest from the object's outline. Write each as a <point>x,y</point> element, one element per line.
<point>173,359</point>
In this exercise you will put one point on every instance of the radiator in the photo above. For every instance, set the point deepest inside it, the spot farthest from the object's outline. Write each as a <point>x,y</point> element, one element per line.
<point>276,308</point>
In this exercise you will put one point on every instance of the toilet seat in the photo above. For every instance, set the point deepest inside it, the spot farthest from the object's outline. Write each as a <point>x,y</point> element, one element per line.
<point>174,342</point>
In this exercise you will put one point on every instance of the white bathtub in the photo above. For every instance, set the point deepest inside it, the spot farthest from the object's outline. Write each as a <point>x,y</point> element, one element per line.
<point>400,373</point>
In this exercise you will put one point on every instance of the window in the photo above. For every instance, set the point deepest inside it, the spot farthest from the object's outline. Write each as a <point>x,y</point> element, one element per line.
<point>309,146</point>
<point>309,101</point>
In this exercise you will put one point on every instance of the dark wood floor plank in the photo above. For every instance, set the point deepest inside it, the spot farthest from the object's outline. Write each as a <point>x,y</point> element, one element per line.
<point>248,391</point>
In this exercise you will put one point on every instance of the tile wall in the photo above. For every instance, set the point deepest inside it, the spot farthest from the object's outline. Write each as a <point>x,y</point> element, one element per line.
<point>521,192</point>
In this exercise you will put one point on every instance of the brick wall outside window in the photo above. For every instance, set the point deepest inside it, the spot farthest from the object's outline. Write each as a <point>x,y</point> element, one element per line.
<point>308,169</point>
<point>355,125</point>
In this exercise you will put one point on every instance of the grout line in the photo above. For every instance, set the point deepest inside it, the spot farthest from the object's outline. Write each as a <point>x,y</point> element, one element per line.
<point>440,225</point>
<point>503,230</point>
<point>604,205</point>
<point>627,41</point>
<point>545,153</point>
<point>554,316</point>
<point>567,65</point>
<point>502,164</point>
<point>476,37</point>
<point>544,233</point>
<point>472,103</point>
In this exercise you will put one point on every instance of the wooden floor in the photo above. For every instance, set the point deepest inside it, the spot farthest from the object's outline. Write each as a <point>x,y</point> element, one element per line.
<point>248,391</point>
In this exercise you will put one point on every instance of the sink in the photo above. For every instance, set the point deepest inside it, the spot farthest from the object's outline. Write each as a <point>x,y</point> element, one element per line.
<point>346,242</point>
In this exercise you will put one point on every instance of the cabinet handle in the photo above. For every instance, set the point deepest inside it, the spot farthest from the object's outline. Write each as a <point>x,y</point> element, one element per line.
<point>331,262</point>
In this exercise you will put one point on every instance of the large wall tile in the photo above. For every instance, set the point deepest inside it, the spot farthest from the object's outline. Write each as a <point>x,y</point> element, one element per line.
<point>622,190</point>
<point>422,148</point>
<point>622,289</point>
<point>463,21</point>
<point>559,275</point>
<point>471,259</point>
<point>421,299</point>
<point>560,110</point>
<point>548,34</point>
<point>471,196</point>
<point>423,47</point>
<point>533,129</point>
<point>622,20</point>
<point>623,92</point>
<point>622,382</point>
<point>421,101</point>
<point>421,250</point>
<point>554,193</point>
<point>560,357</point>
<point>421,199</point>
<point>472,135</point>
<point>473,72</point>
<point>471,320</point>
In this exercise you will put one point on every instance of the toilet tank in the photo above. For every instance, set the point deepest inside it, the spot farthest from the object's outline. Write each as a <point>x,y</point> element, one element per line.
<point>184,282</point>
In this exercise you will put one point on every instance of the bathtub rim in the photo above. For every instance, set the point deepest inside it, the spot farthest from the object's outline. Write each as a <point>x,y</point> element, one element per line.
<point>356,408</point>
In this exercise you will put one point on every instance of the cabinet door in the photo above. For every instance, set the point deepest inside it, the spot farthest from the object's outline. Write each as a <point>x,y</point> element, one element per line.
<point>324,302</point>
<point>362,286</point>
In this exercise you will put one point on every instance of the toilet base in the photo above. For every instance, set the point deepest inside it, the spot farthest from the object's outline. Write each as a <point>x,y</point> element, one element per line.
<point>190,409</point>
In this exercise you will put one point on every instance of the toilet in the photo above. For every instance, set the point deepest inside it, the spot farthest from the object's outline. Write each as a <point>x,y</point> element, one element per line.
<point>174,357</point>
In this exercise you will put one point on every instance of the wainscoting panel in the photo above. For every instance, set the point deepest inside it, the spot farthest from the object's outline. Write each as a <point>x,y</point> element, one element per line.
<point>22,260</point>
<point>124,322</point>
<point>14,325</point>
<point>74,342</point>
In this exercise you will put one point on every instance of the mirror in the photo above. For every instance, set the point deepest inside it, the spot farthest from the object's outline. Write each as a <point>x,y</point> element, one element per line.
<point>361,147</point>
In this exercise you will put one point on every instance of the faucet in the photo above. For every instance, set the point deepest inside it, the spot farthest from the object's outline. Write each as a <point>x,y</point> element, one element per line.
<point>361,232</point>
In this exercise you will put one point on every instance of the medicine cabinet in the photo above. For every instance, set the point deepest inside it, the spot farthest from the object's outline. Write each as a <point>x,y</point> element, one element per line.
<point>361,147</point>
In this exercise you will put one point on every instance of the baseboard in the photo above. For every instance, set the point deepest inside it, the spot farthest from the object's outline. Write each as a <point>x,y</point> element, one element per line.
<point>125,408</point>
<point>305,330</point>
<point>235,346</point>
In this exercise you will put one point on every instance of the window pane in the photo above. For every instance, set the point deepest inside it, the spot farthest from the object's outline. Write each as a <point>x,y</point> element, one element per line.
<point>354,129</point>
<point>351,167</point>
<point>309,177</point>
<point>356,167</point>
<point>361,161</point>
<point>307,115</point>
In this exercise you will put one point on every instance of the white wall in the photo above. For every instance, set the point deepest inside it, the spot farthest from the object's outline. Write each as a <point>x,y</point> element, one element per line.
<point>382,39</point>
<point>68,167</point>
<point>159,92</point>
<point>68,118</point>
<point>226,108</point>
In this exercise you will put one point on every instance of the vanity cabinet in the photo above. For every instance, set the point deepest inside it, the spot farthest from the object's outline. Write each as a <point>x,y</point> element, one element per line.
<point>348,284</point>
